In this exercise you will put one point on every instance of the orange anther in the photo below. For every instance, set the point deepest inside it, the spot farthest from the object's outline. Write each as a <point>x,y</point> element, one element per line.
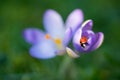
<point>47,36</point>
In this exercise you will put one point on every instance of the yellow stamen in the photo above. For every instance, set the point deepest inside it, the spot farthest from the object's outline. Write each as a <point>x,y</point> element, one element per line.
<point>47,36</point>
<point>57,41</point>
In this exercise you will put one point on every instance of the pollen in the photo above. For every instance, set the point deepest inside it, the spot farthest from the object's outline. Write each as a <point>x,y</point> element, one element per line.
<point>57,41</point>
<point>47,36</point>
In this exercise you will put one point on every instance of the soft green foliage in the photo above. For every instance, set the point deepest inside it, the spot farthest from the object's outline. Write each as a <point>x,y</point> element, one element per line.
<point>17,64</point>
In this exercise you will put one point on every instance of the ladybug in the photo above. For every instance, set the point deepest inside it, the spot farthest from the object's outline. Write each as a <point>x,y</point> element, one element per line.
<point>83,41</point>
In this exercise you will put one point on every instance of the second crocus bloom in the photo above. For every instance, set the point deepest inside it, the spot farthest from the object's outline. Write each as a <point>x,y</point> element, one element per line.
<point>85,40</point>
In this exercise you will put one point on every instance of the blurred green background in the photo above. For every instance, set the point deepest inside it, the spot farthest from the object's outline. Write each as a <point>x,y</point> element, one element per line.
<point>17,64</point>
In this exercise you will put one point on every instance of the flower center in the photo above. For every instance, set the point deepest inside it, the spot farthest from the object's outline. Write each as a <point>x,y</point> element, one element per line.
<point>83,41</point>
<point>57,41</point>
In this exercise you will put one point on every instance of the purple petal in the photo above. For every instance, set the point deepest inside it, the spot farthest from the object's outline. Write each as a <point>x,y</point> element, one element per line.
<point>33,35</point>
<point>43,50</point>
<point>75,19</point>
<point>53,23</point>
<point>87,25</point>
<point>91,39</point>
<point>71,53</point>
<point>76,40</point>
<point>68,36</point>
<point>99,40</point>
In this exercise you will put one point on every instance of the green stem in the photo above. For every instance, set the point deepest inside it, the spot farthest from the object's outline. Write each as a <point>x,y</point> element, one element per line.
<point>65,68</point>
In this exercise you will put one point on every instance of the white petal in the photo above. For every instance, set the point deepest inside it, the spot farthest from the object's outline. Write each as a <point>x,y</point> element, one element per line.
<point>43,50</point>
<point>71,53</point>
<point>75,19</point>
<point>53,23</point>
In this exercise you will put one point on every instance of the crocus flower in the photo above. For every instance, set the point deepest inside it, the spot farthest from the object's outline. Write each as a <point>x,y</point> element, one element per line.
<point>52,42</point>
<point>85,40</point>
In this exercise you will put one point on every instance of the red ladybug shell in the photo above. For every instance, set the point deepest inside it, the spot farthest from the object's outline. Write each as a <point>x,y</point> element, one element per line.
<point>83,39</point>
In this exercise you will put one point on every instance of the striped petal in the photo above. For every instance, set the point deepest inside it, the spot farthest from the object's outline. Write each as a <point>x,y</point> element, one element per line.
<point>99,40</point>
<point>87,25</point>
